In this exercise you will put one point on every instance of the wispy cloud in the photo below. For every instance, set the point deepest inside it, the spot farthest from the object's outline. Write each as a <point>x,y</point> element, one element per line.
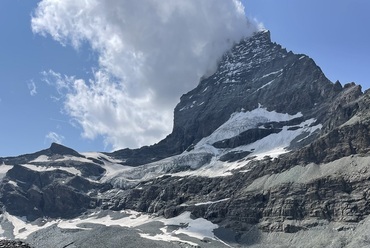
<point>62,83</point>
<point>150,52</point>
<point>54,137</point>
<point>32,88</point>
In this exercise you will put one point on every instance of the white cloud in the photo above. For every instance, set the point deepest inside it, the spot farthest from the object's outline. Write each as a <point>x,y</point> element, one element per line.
<point>54,137</point>
<point>32,88</point>
<point>150,52</point>
<point>62,83</point>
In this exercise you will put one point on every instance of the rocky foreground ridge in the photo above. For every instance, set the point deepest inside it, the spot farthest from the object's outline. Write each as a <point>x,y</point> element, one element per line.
<point>266,151</point>
<point>13,244</point>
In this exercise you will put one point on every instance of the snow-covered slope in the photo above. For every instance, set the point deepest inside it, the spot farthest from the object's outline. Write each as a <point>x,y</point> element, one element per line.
<point>181,229</point>
<point>204,158</point>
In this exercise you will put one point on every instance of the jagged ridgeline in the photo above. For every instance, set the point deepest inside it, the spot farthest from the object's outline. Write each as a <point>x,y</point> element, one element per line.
<point>266,152</point>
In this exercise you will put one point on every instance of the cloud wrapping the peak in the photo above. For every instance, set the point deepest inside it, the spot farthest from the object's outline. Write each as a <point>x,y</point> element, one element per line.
<point>150,53</point>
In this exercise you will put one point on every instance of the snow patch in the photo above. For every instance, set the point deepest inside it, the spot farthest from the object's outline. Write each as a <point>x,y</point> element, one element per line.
<point>46,159</point>
<point>73,158</point>
<point>100,156</point>
<point>263,86</point>
<point>196,228</point>
<point>205,203</point>
<point>167,238</point>
<point>183,108</point>
<point>272,73</point>
<point>4,169</point>
<point>13,183</point>
<point>215,168</point>
<point>71,170</point>
<point>131,219</point>
<point>21,228</point>
<point>276,144</point>
<point>112,170</point>
<point>133,175</point>
<point>242,121</point>
<point>41,159</point>
<point>271,146</point>
<point>112,166</point>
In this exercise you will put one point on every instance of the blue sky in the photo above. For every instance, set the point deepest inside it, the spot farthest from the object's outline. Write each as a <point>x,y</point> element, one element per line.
<point>336,34</point>
<point>27,120</point>
<point>35,111</point>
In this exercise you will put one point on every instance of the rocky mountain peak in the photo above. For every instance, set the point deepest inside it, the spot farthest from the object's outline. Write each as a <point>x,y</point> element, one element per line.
<point>255,72</point>
<point>58,149</point>
<point>55,151</point>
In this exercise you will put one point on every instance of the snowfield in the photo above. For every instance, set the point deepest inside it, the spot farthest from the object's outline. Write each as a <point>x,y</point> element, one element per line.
<point>4,169</point>
<point>197,160</point>
<point>71,170</point>
<point>242,121</point>
<point>180,225</point>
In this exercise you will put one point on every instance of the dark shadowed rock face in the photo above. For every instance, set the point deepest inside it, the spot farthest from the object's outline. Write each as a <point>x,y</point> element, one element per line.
<point>34,187</point>
<point>53,194</point>
<point>57,149</point>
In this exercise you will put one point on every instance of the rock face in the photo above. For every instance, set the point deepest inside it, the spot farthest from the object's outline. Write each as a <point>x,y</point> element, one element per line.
<point>33,194</point>
<point>50,183</point>
<point>267,144</point>
<point>13,244</point>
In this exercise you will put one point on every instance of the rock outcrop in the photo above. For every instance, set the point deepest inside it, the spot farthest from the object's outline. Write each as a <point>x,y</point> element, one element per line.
<point>13,244</point>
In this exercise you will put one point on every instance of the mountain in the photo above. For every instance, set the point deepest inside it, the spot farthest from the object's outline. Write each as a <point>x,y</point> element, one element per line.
<point>266,152</point>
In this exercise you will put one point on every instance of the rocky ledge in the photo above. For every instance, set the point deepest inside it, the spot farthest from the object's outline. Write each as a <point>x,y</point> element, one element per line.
<point>13,244</point>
